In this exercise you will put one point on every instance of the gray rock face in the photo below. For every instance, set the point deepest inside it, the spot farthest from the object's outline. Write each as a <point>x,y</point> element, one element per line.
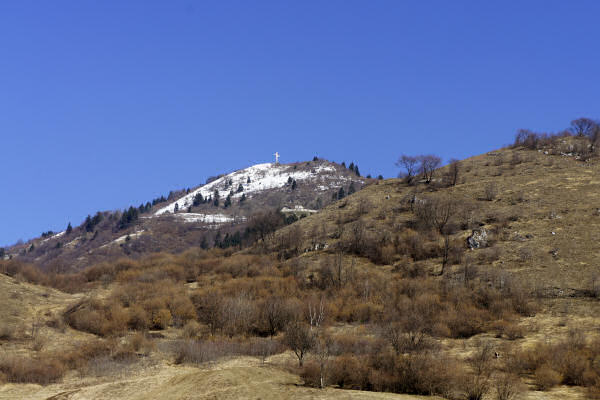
<point>478,239</point>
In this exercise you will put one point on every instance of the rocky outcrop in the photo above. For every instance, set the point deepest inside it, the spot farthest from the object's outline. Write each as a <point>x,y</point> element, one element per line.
<point>478,239</point>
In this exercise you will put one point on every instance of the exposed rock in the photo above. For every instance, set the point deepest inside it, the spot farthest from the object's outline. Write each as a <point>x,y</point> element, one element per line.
<point>478,239</point>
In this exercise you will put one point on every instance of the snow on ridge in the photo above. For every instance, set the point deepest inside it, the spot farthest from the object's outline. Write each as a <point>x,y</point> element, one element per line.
<point>262,177</point>
<point>56,236</point>
<point>212,219</point>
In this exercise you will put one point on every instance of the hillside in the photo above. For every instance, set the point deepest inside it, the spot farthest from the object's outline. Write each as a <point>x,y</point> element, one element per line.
<point>540,210</point>
<point>480,281</point>
<point>192,217</point>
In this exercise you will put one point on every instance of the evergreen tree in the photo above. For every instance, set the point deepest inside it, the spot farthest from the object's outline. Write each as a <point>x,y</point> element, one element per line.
<point>369,176</point>
<point>294,185</point>
<point>248,181</point>
<point>88,224</point>
<point>315,158</point>
<point>227,201</point>
<point>344,164</point>
<point>351,188</point>
<point>356,171</point>
<point>351,166</point>
<point>204,243</point>
<point>190,209</point>
<point>289,182</point>
<point>341,193</point>
<point>2,252</point>
<point>148,206</point>
<point>198,199</point>
<point>176,208</point>
<point>243,199</point>
<point>380,177</point>
<point>69,229</point>
<point>216,198</point>
<point>240,188</point>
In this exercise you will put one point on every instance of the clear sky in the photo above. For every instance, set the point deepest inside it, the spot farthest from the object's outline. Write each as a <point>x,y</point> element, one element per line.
<point>104,104</point>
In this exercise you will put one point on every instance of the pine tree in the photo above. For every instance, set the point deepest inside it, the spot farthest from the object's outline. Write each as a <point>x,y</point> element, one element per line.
<point>294,185</point>
<point>2,252</point>
<point>344,164</point>
<point>243,199</point>
<point>289,182</point>
<point>176,208</point>
<point>204,243</point>
<point>190,209</point>
<point>69,229</point>
<point>341,193</point>
<point>351,166</point>
<point>198,199</point>
<point>240,188</point>
<point>248,181</point>
<point>380,177</point>
<point>351,189</point>
<point>216,198</point>
<point>356,171</point>
<point>88,224</point>
<point>227,201</point>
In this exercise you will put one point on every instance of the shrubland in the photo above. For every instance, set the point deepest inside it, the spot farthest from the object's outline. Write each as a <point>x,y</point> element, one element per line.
<point>383,290</point>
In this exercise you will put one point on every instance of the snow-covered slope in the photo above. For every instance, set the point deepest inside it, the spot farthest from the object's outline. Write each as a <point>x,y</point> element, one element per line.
<point>262,177</point>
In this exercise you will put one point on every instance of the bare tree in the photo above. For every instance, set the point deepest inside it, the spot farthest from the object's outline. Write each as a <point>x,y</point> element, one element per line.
<point>299,339</point>
<point>274,314</point>
<point>322,350</point>
<point>583,127</point>
<point>478,383</point>
<point>410,165</point>
<point>437,212</point>
<point>316,313</point>
<point>429,163</point>
<point>453,172</point>
<point>265,223</point>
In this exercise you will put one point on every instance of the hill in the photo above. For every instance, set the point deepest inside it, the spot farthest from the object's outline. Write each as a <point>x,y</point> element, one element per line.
<point>475,282</point>
<point>193,217</point>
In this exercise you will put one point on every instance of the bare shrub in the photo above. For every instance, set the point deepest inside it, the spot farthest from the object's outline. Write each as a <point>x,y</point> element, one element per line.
<point>545,377</point>
<point>8,332</point>
<point>191,330</point>
<point>507,387</point>
<point>264,348</point>
<point>43,371</point>
<point>490,191</point>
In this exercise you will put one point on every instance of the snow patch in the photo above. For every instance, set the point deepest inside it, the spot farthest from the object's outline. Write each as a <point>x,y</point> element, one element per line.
<point>262,177</point>
<point>123,238</point>
<point>211,219</point>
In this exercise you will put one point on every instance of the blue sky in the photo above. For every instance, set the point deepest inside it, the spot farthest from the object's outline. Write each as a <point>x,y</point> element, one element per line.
<point>104,104</point>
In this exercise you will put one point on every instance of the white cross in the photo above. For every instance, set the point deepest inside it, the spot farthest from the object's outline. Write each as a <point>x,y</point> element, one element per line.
<point>276,157</point>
